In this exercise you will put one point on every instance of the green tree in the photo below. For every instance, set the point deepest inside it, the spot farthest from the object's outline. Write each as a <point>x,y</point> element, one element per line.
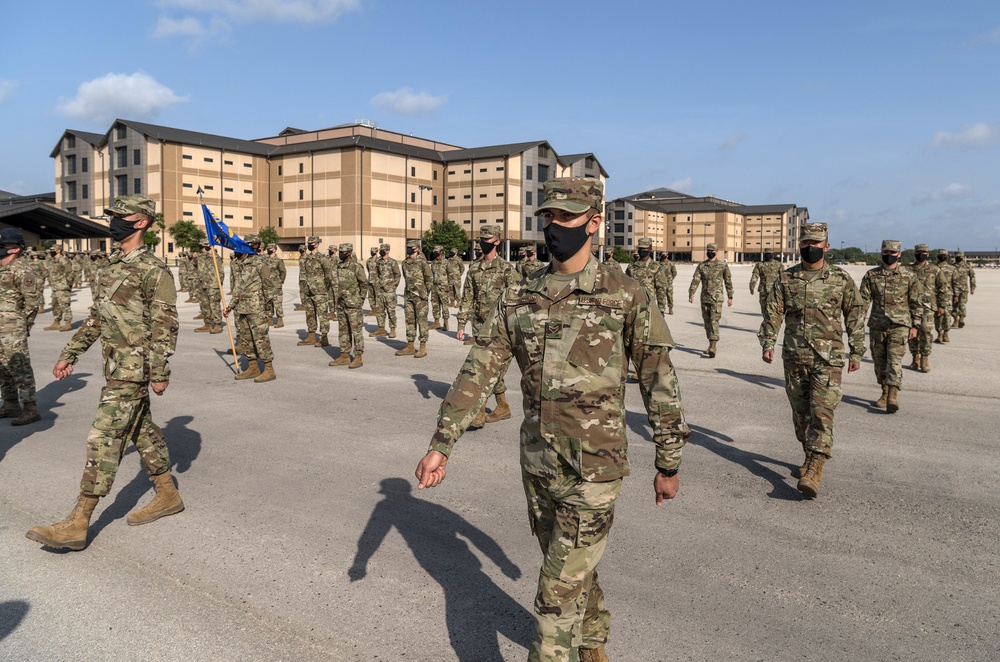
<point>268,235</point>
<point>186,234</point>
<point>447,234</point>
<point>622,255</point>
<point>151,239</point>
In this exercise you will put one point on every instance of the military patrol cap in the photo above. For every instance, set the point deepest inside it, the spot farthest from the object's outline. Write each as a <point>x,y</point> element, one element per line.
<point>373,250</point>
<point>921,248</point>
<point>892,245</point>
<point>454,251</point>
<point>330,249</point>
<point>11,236</point>
<point>270,246</point>
<point>313,240</point>
<point>814,232</point>
<point>126,205</point>
<point>489,232</point>
<point>645,242</point>
<point>529,249</point>
<point>383,247</point>
<point>251,238</point>
<point>345,247</point>
<point>712,247</point>
<point>410,243</point>
<point>439,249</point>
<point>942,251</point>
<point>573,194</point>
<point>960,254</point>
<point>302,247</point>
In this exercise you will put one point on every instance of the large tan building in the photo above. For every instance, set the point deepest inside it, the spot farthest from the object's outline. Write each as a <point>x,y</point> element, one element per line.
<point>682,226</point>
<point>352,183</point>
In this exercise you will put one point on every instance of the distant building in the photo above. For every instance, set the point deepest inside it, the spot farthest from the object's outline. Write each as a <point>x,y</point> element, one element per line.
<point>350,183</point>
<point>681,225</point>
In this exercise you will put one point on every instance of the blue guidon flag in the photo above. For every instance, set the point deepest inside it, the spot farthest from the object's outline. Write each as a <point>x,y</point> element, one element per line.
<point>220,235</point>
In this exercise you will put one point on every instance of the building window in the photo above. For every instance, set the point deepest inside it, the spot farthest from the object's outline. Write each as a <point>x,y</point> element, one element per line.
<point>413,222</point>
<point>302,194</point>
<point>248,218</point>
<point>482,195</point>
<point>248,191</point>
<point>499,195</point>
<point>280,222</point>
<point>435,201</point>
<point>137,186</point>
<point>527,223</point>
<point>84,164</point>
<point>619,227</point>
<point>186,157</point>
<point>499,221</point>
<point>630,216</point>
<point>543,173</point>
<point>70,142</point>
<point>209,159</point>
<point>541,195</point>
<point>209,187</point>
<point>302,168</point>
<point>170,247</point>
<point>619,214</point>
<point>228,217</point>
<point>121,155</point>
<point>451,197</point>
<point>120,132</point>
<point>527,199</point>
<point>527,172</point>
<point>227,189</point>
<point>435,173</point>
<point>467,172</point>
<point>413,197</point>
<point>71,190</point>
<point>467,196</point>
<point>499,168</point>
<point>187,185</point>
<point>188,213</point>
<point>85,191</point>
<point>247,165</point>
<point>279,171</point>
<point>136,157</point>
<point>630,229</point>
<point>413,171</point>
<point>619,241</point>
<point>451,172</point>
<point>543,152</point>
<point>231,163</point>
<point>302,221</point>
<point>279,196</point>
<point>70,165</point>
<point>70,210</point>
<point>121,182</point>
<point>468,220</point>
<point>482,220</point>
<point>482,170</point>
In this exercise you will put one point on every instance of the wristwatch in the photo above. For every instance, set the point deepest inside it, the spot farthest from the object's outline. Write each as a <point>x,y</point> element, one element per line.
<point>668,473</point>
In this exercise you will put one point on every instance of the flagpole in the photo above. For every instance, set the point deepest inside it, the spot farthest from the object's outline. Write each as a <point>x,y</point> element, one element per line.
<point>222,294</point>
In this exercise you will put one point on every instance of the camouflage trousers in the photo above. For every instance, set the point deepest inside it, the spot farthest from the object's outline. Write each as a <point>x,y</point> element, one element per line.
<point>480,323</point>
<point>317,306</point>
<point>276,305</point>
<point>763,303</point>
<point>711,313</point>
<point>925,336</point>
<point>61,310</point>
<point>959,305</point>
<point>571,519</point>
<point>373,301</point>
<point>942,321</point>
<point>415,314</point>
<point>17,380</point>
<point>440,301</point>
<point>386,308</point>
<point>456,292</point>
<point>210,302</point>
<point>888,347</point>
<point>670,296</point>
<point>252,332</point>
<point>814,391</point>
<point>122,417</point>
<point>351,330</point>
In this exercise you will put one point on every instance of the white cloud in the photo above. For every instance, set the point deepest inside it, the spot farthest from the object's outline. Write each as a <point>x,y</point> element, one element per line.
<point>685,185</point>
<point>949,192</point>
<point>284,11</point>
<point>980,134</point>
<point>733,141</point>
<point>136,96</point>
<point>6,89</point>
<point>405,101</point>
<point>189,27</point>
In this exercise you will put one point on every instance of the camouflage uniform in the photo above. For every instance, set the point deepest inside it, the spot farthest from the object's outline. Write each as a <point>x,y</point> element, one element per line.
<point>60,273</point>
<point>351,285</point>
<point>250,305</point>
<point>455,268</point>
<point>896,306</point>
<point>529,264</point>
<point>317,275</point>
<point>275,283</point>
<point>944,291</point>
<point>135,318</point>
<point>209,294</point>
<point>766,273</point>
<point>649,274</point>
<point>303,256</point>
<point>669,272</point>
<point>440,289</point>
<point>418,280</point>
<point>963,284</point>
<point>812,304</point>
<point>332,262</point>
<point>573,341</point>
<point>389,274</point>
<point>371,264</point>
<point>19,296</point>
<point>711,274</point>
<point>926,274</point>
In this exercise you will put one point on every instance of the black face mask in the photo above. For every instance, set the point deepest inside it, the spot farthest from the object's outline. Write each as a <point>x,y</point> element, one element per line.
<point>486,246</point>
<point>711,254</point>
<point>381,253</point>
<point>410,250</point>
<point>343,256</point>
<point>121,229</point>
<point>270,252</point>
<point>643,254</point>
<point>302,252</point>
<point>942,258</point>
<point>811,254</point>
<point>768,257</point>
<point>921,257</point>
<point>890,260</point>
<point>959,259</point>
<point>562,242</point>
<point>311,247</point>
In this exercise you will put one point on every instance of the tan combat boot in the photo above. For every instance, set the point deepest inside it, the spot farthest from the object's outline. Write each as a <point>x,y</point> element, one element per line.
<point>406,351</point>
<point>308,340</point>
<point>422,352</point>
<point>809,484</point>
<point>392,332</point>
<point>925,363</point>
<point>880,403</point>
<point>280,323</point>
<point>944,337</point>
<point>343,359</point>
<point>71,533</point>
<point>377,332</point>
<point>10,409</point>
<point>216,328</point>
<point>166,502</point>
<point>891,402</point>
<point>203,328</point>
<point>916,362</point>
<point>240,349</point>
<point>670,311</point>
<point>28,415</point>
<point>480,419</point>
<point>938,340</point>
<point>199,316</point>
<point>52,327</point>
<point>189,300</point>
<point>445,327</point>
<point>357,362</point>
<point>711,348</point>
<point>322,341</point>
<point>593,654</point>
<point>252,371</point>
<point>66,327</point>
<point>470,340</point>
<point>267,375</point>
<point>433,326</point>
<point>501,411</point>
<point>961,322</point>
<point>805,465</point>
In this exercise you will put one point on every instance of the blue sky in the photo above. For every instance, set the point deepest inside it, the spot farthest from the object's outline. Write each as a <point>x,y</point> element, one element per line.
<point>883,118</point>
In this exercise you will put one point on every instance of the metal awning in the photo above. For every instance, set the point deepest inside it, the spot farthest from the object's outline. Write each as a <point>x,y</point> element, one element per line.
<point>34,216</point>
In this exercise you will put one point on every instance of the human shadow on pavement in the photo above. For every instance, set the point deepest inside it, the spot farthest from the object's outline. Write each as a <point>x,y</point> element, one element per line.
<point>184,445</point>
<point>428,387</point>
<point>47,399</point>
<point>725,447</point>
<point>12,613</point>
<point>476,609</point>
<point>756,380</point>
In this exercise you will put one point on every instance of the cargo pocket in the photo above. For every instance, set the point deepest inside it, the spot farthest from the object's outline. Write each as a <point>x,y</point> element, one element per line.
<point>596,341</point>
<point>594,526</point>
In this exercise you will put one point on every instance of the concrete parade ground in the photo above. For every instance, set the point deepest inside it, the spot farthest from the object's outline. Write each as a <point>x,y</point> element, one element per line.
<point>304,537</point>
